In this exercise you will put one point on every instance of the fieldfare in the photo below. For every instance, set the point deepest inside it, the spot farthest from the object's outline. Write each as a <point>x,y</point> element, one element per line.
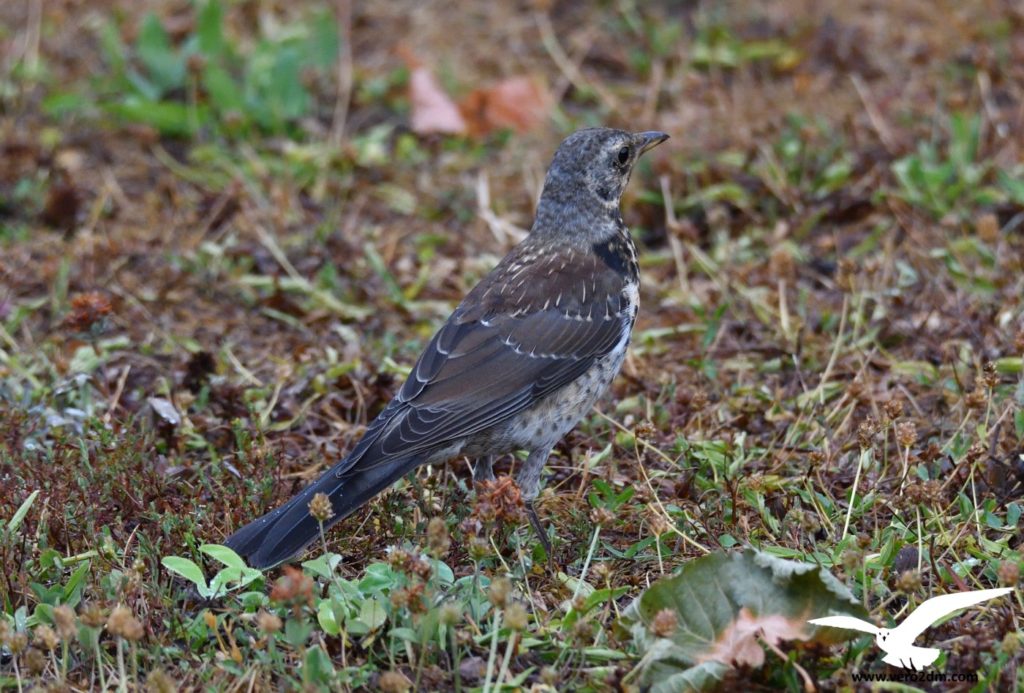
<point>520,361</point>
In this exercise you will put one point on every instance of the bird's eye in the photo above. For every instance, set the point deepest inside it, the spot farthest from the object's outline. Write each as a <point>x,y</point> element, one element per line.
<point>624,155</point>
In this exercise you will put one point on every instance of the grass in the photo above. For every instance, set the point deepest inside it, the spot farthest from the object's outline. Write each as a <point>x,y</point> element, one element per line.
<point>221,249</point>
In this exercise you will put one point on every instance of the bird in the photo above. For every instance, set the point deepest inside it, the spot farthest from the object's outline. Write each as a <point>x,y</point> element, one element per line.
<point>898,643</point>
<point>521,359</point>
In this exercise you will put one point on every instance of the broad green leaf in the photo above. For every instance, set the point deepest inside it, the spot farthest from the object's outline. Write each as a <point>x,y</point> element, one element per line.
<point>223,554</point>
<point>722,603</point>
<point>372,614</point>
<point>186,569</point>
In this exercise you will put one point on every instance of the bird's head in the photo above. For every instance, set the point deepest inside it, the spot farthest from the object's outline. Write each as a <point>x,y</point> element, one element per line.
<point>586,178</point>
<point>882,636</point>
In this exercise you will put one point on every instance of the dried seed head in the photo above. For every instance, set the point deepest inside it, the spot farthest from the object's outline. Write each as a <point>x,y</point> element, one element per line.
<point>92,616</point>
<point>781,262</point>
<point>269,623</point>
<point>17,642</point>
<point>293,587</point>
<point>516,617</point>
<point>394,682</point>
<point>499,591</point>
<point>906,433</point>
<point>602,571</point>
<point>320,507</point>
<point>976,399</point>
<point>987,227</point>
<point>700,400</point>
<point>35,661</point>
<point>908,582</point>
<point>64,621</point>
<point>866,432</point>
<point>665,623</point>
<point>478,548</point>
<point>601,516</point>
<point>583,632</point>
<point>852,559</point>
<point>160,681</point>
<point>846,275</point>
<point>123,624</point>
<point>990,376</point>
<point>400,560</point>
<point>87,309</point>
<point>450,614</point>
<point>1009,573</point>
<point>893,408</point>
<point>657,522</point>
<point>1010,645</point>
<point>645,429</point>
<point>422,569</point>
<point>549,676</point>
<point>46,637</point>
<point>438,541</point>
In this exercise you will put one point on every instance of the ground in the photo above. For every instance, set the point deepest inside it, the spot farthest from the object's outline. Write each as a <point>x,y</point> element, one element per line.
<point>224,240</point>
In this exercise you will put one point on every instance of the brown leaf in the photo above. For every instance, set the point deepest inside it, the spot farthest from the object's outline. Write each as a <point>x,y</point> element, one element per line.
<point>519,103</point>
<point>738,643</point>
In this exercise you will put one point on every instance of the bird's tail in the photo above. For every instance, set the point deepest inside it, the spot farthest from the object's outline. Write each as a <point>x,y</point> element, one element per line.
<point>285,531</point>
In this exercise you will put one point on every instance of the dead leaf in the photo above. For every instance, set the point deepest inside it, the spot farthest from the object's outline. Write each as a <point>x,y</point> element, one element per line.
<point>517,103</point>
<point>164,409</point>
<point>738,643</point>
<point>433,111</point>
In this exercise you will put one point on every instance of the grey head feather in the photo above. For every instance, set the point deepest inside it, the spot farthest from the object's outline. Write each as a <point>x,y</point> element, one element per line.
<point>583,187</point>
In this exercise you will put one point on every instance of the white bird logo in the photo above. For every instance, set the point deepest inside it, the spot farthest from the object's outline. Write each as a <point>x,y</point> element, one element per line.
<point>898,643</point>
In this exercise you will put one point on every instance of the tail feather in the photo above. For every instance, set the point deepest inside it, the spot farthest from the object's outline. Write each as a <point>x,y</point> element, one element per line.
<point>286,531</point>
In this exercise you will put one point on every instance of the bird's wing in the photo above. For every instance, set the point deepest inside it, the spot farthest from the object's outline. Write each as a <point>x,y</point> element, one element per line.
<point>848,622</point>
<point>935,608</point>
<point>504,348</point>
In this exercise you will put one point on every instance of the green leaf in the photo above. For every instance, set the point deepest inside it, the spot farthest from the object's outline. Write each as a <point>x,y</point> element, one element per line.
<point>323,44</point>
<point>723,603</point>
<point>72,593</point>
<point>186,569</point>
<point>210,29</point>
<point>323,565</point>
<point>372,614</point>
<point>327,618</point>
<point>223,554</point>
<point>164,65</point>
<point>317,667</point>
<point>286,96</point>
<point>169,117</point>
<point>225,94</point>
<point>21,512</point>
<point>296,632</point>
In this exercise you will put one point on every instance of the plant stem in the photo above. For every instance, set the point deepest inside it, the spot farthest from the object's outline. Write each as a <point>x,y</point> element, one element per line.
<point>495,623</point>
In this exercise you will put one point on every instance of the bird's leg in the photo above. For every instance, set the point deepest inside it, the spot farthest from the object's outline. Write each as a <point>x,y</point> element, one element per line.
<point>542,534</point>
<point>529,485</point>
<point>483,469</point>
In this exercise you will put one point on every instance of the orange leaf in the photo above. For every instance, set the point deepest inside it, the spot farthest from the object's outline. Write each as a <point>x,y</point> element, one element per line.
<point>518,103</point>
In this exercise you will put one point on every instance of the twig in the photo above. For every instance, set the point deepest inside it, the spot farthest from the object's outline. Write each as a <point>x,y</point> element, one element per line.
<point>874,115</point>
<point>566,66</point>
<point>341,103</point>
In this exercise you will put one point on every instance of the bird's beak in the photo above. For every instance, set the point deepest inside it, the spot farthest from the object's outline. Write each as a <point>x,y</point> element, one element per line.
<point>650,140</point>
